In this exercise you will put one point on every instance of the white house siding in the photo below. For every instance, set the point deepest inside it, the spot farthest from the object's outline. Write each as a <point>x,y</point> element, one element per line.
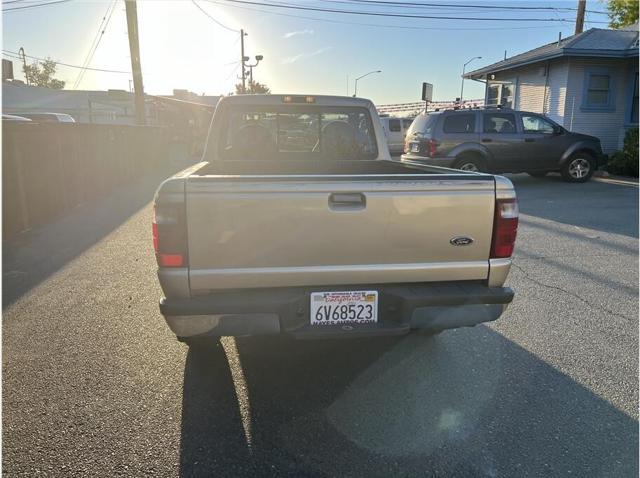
<point>606,125</point>
<point>555,100</point>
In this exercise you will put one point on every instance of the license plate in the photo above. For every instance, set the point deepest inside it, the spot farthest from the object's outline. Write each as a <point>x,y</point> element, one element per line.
<point>415,147</point>
<point>349,307</point>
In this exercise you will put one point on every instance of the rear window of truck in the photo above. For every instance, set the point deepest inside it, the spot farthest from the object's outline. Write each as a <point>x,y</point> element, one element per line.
<point>298,132</point>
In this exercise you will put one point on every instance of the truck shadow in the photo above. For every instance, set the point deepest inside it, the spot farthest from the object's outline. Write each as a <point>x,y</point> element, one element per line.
<point>466,403</point>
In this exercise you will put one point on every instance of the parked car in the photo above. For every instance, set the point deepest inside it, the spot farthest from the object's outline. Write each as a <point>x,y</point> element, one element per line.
<point>49,117</point>
<point>501,140</point>
<point>395,129</point>
<point>6,117</point>
<point>298,222</point>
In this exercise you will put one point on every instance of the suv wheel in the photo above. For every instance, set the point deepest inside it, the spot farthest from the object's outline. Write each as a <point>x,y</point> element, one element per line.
<point>578,168</point>
<point>469,163</point>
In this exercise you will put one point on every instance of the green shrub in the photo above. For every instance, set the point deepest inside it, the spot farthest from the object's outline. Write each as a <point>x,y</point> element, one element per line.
<point>625,162</point>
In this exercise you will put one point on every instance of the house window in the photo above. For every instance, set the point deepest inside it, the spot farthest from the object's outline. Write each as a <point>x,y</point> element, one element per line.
<point>500,94</point>
<point>598,91</point>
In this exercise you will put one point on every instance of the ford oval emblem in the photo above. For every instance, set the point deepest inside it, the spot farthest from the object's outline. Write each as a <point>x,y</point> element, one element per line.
<point>461,241</point>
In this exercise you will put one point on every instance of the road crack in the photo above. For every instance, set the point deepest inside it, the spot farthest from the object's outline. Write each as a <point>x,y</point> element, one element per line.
<point>572,294</point>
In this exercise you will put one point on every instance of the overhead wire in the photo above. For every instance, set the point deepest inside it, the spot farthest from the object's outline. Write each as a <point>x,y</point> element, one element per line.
<point>214,19</point>
<point>25,7</point>
<point>387,3</point>
<point>375,25</point>
<point>390,14</point>
<point>96,42</point>
<point>15,55</point>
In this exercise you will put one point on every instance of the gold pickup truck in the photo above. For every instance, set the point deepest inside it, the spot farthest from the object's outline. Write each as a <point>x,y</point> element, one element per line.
<point>298,222</point>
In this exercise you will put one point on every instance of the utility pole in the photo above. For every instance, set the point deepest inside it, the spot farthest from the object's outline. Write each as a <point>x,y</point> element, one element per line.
<point>242,60</point>
<point>582,5</point>
<point>24,64</point>
<point>134,49</point>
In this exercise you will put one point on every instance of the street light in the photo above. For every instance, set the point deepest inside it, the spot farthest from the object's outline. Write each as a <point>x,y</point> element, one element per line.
<point>463,68</point>
<point>258,59</point>
<point>355,91</point>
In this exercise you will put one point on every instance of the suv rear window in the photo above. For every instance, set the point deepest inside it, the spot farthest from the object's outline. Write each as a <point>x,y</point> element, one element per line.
<point>460,123</point>
<point>423,124</point>
<point>298,132</point>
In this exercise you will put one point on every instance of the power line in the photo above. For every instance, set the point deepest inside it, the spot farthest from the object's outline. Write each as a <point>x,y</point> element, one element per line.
<point>375,25</point>
<point>212,18</point>
<point>96,41</point>
<point>24,7</point>
<point>232,73</point>
<point>395,15</point>
<point>12,54</point>
<point>458,5</point>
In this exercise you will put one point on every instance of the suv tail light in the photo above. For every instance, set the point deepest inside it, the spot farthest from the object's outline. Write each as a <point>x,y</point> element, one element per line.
<point>170,234</point>
<point>431,147</point>
<point>505,228</point>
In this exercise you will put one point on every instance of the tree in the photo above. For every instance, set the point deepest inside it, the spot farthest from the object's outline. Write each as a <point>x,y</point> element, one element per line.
<point>41,74</point>
<point>622,13</point>
<point>254,88</point>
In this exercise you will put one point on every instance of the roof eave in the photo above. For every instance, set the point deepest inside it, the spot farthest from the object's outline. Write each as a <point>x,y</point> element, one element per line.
<point>483,72</point>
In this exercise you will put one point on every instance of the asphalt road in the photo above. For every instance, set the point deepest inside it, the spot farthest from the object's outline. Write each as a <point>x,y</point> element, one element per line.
<point>94,384</point>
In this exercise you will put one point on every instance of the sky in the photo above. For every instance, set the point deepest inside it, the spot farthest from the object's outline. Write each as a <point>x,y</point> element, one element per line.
<point>181,47</point>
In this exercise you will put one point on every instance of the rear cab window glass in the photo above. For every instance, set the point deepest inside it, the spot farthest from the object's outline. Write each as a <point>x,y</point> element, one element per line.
<point>298,132</point>
<point>499,123</point>
<point>460,123</point>
<point>406,123</point>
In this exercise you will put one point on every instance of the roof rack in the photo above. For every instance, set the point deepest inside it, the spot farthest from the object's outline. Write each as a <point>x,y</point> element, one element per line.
<point>471,108</point>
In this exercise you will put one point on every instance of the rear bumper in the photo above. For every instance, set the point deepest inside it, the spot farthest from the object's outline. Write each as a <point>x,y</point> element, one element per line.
<point>429,306</point>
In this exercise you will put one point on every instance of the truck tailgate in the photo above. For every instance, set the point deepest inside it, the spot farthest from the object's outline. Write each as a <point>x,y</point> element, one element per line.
<point>252,232</point>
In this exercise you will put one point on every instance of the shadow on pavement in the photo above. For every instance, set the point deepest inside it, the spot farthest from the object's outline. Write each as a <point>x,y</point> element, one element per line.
<point>595,205</point>
<point>37,254</point>
<point>466,403</point>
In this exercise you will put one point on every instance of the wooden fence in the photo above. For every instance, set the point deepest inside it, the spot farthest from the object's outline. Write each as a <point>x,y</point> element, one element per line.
<point>50,168</point>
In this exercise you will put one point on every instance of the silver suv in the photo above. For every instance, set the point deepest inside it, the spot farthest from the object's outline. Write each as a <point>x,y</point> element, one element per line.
<point>501,140</point>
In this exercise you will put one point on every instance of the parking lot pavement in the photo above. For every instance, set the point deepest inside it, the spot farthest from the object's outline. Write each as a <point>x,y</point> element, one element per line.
<point>95,384</point>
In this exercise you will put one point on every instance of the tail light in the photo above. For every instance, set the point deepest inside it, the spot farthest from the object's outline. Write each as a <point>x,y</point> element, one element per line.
<point>431,147</point>
<point>505,228</point>
<point>170,234</point>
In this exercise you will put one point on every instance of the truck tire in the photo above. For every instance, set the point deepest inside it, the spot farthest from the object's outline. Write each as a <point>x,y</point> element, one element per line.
<point>538,174</point>
<point>578,168</point>
<point>470,163</point>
